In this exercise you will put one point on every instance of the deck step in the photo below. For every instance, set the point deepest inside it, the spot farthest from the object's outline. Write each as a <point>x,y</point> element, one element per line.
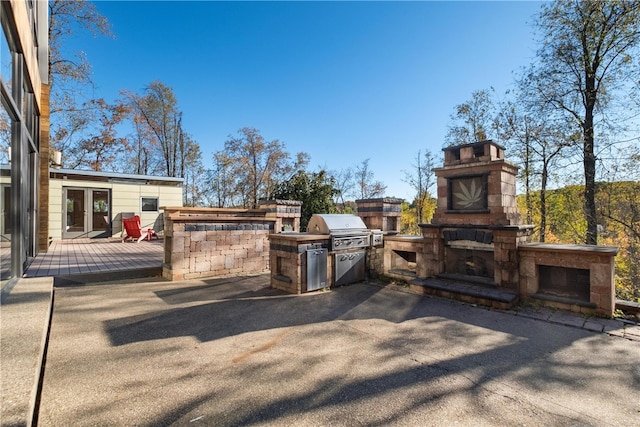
<point>490,296</point>
<point>83,279</point>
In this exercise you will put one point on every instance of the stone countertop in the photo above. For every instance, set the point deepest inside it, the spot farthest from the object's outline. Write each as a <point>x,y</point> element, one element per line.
<point>299,237</point>
<point>569,248</point>
<point>403,237</point>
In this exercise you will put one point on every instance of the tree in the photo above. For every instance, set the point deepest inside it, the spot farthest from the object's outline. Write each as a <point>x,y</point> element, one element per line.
<point>99,151</point>
<point>582,66</point>
<point>618,202</point>
<point>537,141</point>
<point>70,73</point>
<point>192,171</point>
<point>222,181</point>
<point>5,136</point>
<point>472,120</point>
<point>315,190</point>
<point>158,111</point>
<point>259,165</point>
<point>343,183</point>
<point>368,188</point>
<point>170,150</point>
<point>421,179</point>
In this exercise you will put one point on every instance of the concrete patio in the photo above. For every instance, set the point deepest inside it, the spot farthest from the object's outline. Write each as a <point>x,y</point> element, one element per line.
<point>127,349</point>
<point>232,352</point>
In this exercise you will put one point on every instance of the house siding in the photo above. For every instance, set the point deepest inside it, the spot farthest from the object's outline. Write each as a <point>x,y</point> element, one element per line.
<point>125,198</point>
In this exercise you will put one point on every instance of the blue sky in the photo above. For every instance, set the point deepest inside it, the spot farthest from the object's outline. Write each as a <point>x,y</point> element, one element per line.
<point>342,81</point>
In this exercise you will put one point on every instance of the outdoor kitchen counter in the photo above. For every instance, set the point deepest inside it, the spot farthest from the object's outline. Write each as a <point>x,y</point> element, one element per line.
<point>298,237</point>
<point>288,258</point>
<point>404,238</point>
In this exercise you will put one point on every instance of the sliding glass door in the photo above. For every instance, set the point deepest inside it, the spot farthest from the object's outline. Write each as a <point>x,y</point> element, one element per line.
<point>86,213</point>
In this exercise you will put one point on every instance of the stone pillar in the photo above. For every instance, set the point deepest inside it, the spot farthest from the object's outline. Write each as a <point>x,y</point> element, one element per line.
<point>380,214</point>
<point>286,212</point>
<point>506,241</point>
<point>433,251</point>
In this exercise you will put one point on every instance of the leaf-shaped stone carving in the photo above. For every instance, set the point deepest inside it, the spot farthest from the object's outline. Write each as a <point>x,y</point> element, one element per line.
<point>469,197</point>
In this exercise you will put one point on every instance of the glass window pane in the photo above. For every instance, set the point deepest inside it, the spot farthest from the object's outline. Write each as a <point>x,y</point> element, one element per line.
<point>75,211</point>
<point>149,204</point>
<point>100,210</point>
<point>5,195</point>
<point>5,137</point>
<point>6,61</point>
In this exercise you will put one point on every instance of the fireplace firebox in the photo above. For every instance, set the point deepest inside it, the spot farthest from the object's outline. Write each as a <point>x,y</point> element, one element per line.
<point>565,282</point>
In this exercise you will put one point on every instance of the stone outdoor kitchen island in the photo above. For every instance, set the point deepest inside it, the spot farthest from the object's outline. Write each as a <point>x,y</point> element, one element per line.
<point>475,249</point>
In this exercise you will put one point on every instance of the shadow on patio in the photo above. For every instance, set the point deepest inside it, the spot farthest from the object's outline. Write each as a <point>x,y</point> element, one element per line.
<point>235,352</point>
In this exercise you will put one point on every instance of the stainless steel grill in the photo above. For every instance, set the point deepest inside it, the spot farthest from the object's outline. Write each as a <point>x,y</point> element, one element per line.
<point>349,239</point>
<point>346,231</point>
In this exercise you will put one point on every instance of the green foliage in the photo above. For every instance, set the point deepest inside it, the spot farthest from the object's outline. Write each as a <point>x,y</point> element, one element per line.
<point>315,191</point>
<point>409,223</point>
<point>472,120</point>
<point>421,178</point>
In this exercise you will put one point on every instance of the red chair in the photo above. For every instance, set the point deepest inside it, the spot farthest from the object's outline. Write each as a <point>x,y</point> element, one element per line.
<point>132,230</point>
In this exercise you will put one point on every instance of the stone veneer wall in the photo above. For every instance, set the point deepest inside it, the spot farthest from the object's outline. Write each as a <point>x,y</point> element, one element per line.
<point>210,242</point>
<point>599,260</point>
<point>375,261</point>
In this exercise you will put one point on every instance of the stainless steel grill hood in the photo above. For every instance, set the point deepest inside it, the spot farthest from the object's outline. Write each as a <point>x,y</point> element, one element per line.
<point>336,224</point>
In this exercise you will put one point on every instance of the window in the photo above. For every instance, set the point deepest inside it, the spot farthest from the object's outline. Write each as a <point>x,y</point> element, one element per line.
<point>6,63</point>
<point>149,204</point>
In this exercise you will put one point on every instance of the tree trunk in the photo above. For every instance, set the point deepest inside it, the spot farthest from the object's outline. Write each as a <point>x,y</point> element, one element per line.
<point>543,201</point>
<point>590,165</point>
<point>527,183</point>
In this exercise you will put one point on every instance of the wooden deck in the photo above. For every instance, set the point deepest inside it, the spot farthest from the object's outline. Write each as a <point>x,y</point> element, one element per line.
<point>86,256</point>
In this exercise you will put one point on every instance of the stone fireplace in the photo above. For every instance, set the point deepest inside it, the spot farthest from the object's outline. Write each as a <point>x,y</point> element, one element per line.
<point>476,230</point>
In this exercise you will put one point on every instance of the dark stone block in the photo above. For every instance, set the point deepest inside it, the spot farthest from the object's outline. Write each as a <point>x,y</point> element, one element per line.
<point>190,227</point>
<point>446,235</point>
<point>211,227</point>
<point>469,235</point>
<point>488,237</point>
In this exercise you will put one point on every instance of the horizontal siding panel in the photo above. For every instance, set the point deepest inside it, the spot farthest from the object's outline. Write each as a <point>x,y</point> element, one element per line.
<point>124,198</point>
